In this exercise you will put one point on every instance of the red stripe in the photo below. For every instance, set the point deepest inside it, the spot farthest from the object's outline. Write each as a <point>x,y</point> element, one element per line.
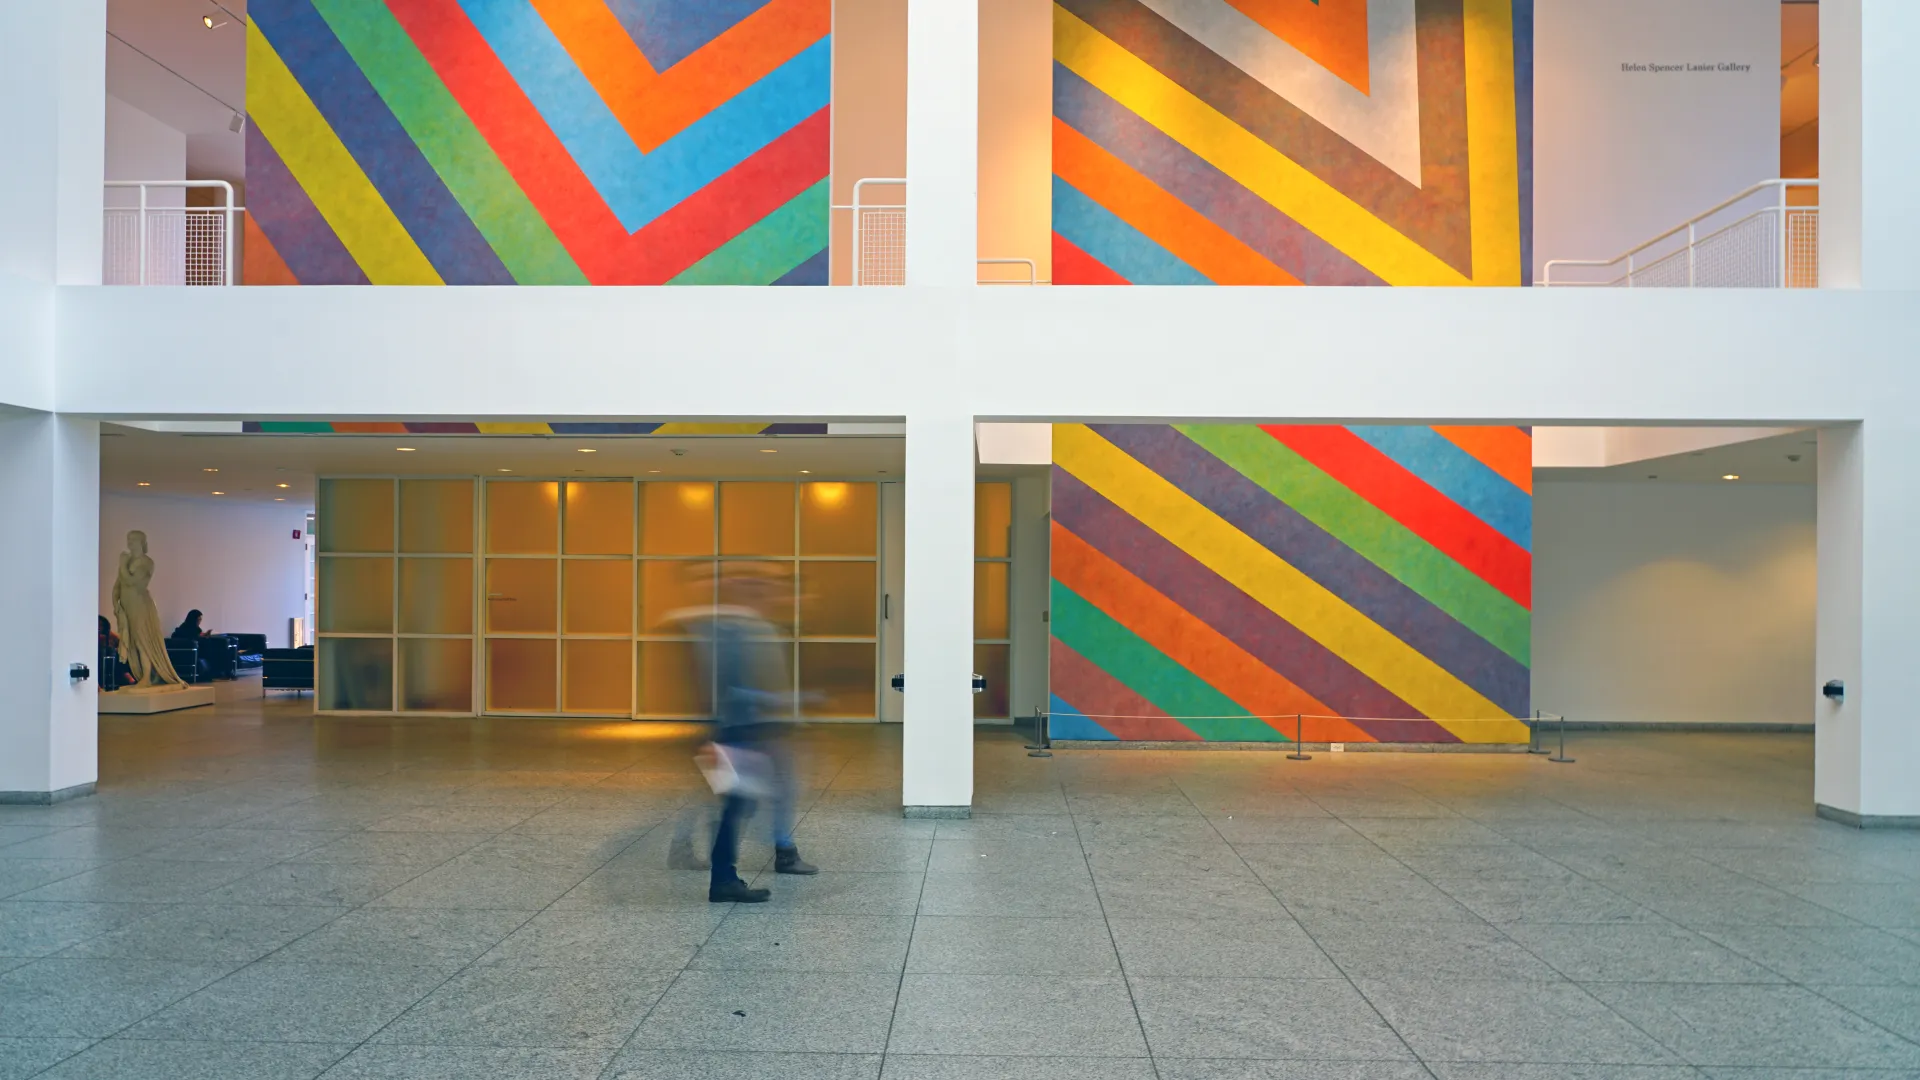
<point>563,195</point>
<point>1408,500</point>
<point>1082,684</point>
<point>1072,266</point>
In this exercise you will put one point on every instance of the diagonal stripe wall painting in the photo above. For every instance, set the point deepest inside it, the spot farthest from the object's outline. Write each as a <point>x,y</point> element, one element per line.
<point>1271,142</point>
<point>1210,581</point>
<point>538,142</point>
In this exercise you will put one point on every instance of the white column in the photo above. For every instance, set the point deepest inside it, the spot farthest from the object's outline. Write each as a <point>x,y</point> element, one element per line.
<point>1867,746</point>
<point>943,141</point>
<point>49,590</point>
<point>937,759</point>
<point>1869,143</point>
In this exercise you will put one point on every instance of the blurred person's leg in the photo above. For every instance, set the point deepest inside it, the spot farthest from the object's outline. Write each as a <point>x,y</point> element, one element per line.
<point>725,885</point>
<point>786,854</point>
<point>683,853</point>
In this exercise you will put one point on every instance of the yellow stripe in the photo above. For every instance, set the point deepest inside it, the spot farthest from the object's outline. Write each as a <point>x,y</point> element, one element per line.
<point>515,429</point>
<point>332,179</point>
<point>1298,193</point>
<point>710,429</point>
<point>1266,577</point>
<point>1492,143</point>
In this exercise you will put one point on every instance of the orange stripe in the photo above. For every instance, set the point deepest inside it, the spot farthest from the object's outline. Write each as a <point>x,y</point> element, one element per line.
<point>1506,450</point>
<point>1332,32</point>
<point>654,107</point>
<point>1188,641</point>
<point>260,262</point>
<point>1172,224</point>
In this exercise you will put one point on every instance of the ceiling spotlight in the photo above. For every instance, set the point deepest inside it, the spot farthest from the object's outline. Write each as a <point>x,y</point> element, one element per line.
<point>279,485</point>
<point>219,493</point>
<point>212,23</point>
<point>503,470</point>
<point>143,483</point>
<point>653,470</point>
<point>405,449</point>
<point>209,470</point>
<point>804,472</point>
<point>1731,476</point>
<point>279,500</point>
<point>769,451</point>
<point>588,450</point>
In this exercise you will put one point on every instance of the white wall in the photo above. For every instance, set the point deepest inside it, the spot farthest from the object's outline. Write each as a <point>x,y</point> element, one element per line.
<point>1674,603</point>
<point>237,562</point>
<point>140,147</point>
<point>1622,156</point>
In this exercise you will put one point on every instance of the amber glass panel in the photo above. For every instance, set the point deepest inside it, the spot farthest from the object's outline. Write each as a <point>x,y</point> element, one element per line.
<point>836,678</point>
<point>436,596</point>
<point>522,596</point>
<point>523,517</point>
<point>837,599</point>
<point>520,674</point>
<point>600,517</point>
<point>994,702</point>
<point>992,520</point>
<point>756,518</point>
<point>667,679</point>
<point>669,588</point>
<point>436,516</point>
<point>599,596</point>
<point>356,596</point>
<point>676,518</point>
<point>436,675</point>
<point>599,676</point>
<point>355,515</point>
<point>839,519</point>
<point>990,600</point>
<point>765,585</point>
<point>356,674</point>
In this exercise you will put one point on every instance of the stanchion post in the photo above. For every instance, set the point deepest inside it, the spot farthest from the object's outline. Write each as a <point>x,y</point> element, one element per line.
<point>1562,757</point>
<point>1533,737</point>
<point>1298,754</point>
<point>1041,746</point>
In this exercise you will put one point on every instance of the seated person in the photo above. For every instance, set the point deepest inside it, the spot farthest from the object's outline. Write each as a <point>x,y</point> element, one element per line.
<point>189,630</point>
<point>110,656</point>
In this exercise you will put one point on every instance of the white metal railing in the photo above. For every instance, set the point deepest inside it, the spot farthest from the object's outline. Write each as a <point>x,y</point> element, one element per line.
<point>1754,240</point>
<point>879,235</point>
<point>148,244</point>
<point>1033,271</point>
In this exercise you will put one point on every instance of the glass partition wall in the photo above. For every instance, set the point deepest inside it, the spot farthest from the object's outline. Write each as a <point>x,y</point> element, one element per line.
<point>570,597</point>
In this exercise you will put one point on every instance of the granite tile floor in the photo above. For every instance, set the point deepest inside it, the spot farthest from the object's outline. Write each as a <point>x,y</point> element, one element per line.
<point>258,894</point>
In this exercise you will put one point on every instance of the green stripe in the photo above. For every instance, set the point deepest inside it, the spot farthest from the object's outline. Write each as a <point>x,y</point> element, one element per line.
<point>1368,530</point>
<point>1151,673</point>
<point>452,145</point>
<point>769,248</point>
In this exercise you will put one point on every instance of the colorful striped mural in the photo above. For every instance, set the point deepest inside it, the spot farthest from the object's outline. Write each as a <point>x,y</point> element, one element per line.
<point>1292,142</point>
<point>538,142</point>
<point>1211,582</point>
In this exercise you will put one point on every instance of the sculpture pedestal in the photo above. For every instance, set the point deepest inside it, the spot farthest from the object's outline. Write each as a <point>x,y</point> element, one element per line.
<point>145,702</point>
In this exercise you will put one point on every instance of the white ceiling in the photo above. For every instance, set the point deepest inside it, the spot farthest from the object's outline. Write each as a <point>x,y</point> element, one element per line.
<point>1761,461</point>
<point>251,467</point>
<point>207,82</point>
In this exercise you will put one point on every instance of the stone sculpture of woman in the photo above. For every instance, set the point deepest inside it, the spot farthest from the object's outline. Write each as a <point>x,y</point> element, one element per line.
<point>143,645</point>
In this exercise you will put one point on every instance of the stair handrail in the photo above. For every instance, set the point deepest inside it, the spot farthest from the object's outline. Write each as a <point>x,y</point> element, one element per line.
<point>1688,226</point>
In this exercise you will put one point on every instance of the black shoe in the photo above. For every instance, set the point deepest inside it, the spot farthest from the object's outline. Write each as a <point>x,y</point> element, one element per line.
<point>737,892</point>
<point>787,860</point>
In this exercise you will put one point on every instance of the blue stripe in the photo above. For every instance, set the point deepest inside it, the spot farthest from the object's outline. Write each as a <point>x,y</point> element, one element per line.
<point>813,271</point>
<point>382,148</point>
<point>1122,248</point>
<point>1458,475</point>
<point>669,31</point>
<point>1066,722</point>
<point>640,187</point>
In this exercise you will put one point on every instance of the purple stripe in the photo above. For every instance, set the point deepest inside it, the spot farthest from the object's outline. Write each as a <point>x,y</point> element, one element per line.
<point>794,429</point>
<point>1190,178</point>
<point>1339,569</point>
<point>1219,603</point>
<point>278,204</point>
<point>437,427</point>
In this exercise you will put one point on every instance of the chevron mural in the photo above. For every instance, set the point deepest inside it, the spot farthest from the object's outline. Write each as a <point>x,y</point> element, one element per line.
<point>1212,581</point>
<point>538,142</point>
<point>1292,142</point>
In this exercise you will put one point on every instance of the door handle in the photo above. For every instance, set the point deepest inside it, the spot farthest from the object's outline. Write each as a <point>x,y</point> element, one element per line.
<point>500,596</point>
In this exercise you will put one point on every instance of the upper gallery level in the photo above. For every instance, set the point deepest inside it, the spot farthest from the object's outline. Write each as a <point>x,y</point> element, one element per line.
<point>1080,142</point>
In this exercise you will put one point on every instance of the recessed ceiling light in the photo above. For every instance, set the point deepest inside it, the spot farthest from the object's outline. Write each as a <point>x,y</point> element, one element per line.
<point>219,493</point>
<point>653,470</point>
<point>279,485</point>
<point>143,483</point>
<point>209,470</point>
<point>405,449</point>
<point>279,500</point>
<point>587,450</point>
<point>503,470</point>
<point>769,451</point>
<point>1731,476</point>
